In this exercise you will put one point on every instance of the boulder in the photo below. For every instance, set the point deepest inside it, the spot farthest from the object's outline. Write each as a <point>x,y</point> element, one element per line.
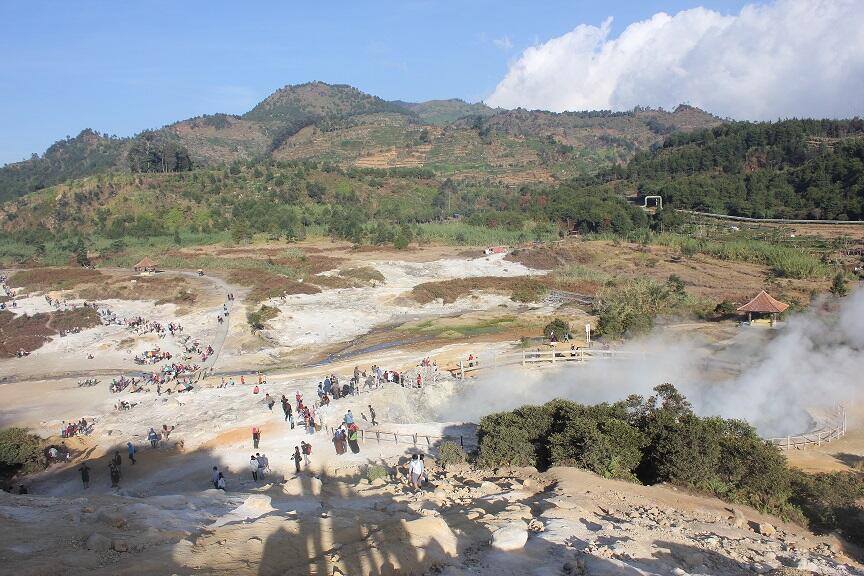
<point>98,543</point>
<point>510,537</point>
<point>119,545</point>
<point>487,487</point>
<point>432,535</point>
<point>766,529</point>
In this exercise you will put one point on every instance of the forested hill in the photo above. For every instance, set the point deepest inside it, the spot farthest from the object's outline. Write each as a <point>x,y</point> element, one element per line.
<point>811,169</point>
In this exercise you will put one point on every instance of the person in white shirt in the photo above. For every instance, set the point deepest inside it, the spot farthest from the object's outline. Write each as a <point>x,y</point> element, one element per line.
<point>415,471</point>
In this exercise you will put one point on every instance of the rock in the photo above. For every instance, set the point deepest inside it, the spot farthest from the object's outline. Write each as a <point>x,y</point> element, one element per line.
<point>378,482</point>
<point>432,538</point>
<point>536,525</point>
<point>738,519</point>
<point>510,537</point>
<point>119,545</point>
<point>766,529</point>
<point>98,543</point>
<point>487,487</point>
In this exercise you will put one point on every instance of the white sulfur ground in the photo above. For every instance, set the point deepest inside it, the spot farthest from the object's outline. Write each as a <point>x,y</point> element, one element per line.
<point>339,315</point>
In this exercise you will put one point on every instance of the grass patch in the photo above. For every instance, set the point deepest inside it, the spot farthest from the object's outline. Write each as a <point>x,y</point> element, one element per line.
<point>84,317</point>
<point>521,288</point>
<point>784,261</point>
<point>463,234</point>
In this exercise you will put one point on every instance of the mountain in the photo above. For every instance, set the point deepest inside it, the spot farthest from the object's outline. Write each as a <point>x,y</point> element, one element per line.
<point>344,126</point>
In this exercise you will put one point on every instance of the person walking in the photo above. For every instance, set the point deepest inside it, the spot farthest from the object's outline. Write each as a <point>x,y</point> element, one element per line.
<point>253,466</point>
<point>153,438</point>
<point>117,461</point>
<point>215,477</point>
<point>261,465</point>
<point>286,408</point>
<point>349,418</point>
<point>131,451</point>
<point>115,475</point>
<point>372,415</point>
<point>85,475</point>
<point>415,471</point>
<point>270,401</point>
<point>297,457</point>
<point>307,451</point>
<point>220,482</point>
<point>256,436</point>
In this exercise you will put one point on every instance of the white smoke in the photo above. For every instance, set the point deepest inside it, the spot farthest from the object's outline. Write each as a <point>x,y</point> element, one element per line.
<point>780,59</point>
<point>775,379</point>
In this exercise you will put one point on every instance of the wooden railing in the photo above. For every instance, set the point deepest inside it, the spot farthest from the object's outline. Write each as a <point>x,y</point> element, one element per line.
<point>407,438</point>
<point>815,438</point>
<point>551,356</point>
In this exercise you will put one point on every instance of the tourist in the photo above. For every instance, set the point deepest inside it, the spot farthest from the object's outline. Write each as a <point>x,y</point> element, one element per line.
<point>349,418</point>
<point>424,477</point>
<point>255,390</point>
<point>85,475</point>
<point>286,408</point>
<point>415,471</point>
<point>153,438</point>
<point>352,438</point>
<point>117,461</point>
<point>261,465</point>
<point>297,458</point>
<point>220,482</point>
<point>215,477</point>
<point>114,472</point>
<point>307,451</point>
<point>372,415</point>
<point>256,436</point>
<point>253,466</point>
<point>131,450</point>
<point>269,400</point>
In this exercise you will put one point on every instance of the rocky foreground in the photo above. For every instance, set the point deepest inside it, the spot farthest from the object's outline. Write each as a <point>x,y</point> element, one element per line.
<point>565,521</point>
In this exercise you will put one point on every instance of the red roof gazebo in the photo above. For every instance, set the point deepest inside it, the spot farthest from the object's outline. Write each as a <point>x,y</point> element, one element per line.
<point>763,303</point>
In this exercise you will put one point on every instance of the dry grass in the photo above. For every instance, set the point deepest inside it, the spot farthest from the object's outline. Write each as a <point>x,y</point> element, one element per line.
<point>549,257</point>
<point>266,284</point>
<point>47,279</point>
<point>29,333</point>
<point>162,289</point>
<point>521,288</point>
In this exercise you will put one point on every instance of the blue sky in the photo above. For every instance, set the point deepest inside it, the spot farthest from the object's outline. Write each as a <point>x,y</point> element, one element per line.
<point>120,67</point>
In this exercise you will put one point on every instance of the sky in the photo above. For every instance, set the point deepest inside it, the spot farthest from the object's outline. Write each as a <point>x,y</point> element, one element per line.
<point>122,67</point>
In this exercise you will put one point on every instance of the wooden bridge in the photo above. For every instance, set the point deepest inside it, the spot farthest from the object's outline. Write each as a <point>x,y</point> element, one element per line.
<point>541,357</point>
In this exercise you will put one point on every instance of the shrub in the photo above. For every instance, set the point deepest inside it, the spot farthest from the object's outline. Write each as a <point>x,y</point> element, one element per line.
<point>839,286</point>
<point>560,328</point>
<point>375,471</point>
<point>20,451</point>
<point>630,309</point>
<point>830,501</point>
<point>451,453</point>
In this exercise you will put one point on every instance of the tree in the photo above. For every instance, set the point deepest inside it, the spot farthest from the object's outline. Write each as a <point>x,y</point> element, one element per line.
<point>80,251</point>
<point>560,328</point>
<point>839,286</point>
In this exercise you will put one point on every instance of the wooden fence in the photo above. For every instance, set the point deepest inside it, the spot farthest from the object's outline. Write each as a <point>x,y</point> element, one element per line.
<point>550,356</point>
<point>817,437</point>
<point>411,439</point>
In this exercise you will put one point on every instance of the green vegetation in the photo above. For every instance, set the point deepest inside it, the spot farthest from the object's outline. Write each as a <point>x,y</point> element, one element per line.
<point>557,327</point>
<point>20,452</point>
<point>630,308</point>
<point>660,439</point>
<point>789,169</point>
<point>450,453</point>
<point>258,318</point>
<point>376,471</point>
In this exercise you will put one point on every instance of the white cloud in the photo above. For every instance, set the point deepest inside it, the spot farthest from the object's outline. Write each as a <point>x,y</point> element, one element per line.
<point>504,43</point>
<point>782,59</point>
